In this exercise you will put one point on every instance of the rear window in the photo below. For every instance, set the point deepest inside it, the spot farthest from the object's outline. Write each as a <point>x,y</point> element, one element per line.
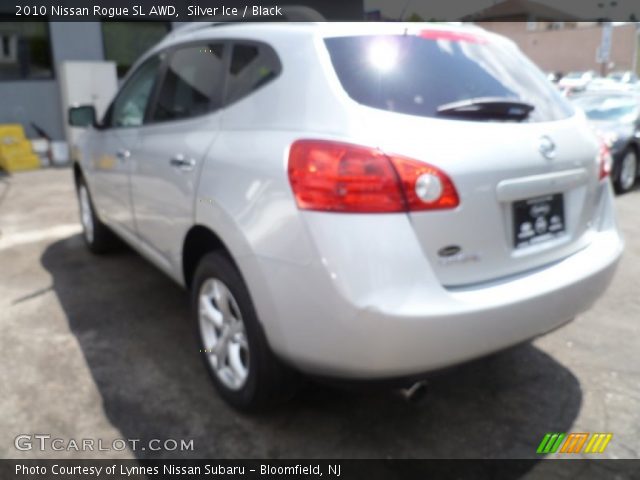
<point>416,74</point>
<point>252,66</point>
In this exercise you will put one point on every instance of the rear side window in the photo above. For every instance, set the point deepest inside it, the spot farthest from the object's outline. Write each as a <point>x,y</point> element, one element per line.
<point>252,66</point>
<point>192,83</point>
<point>417,74</point>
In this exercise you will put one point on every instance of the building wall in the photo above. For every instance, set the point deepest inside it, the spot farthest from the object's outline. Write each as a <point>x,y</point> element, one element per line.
<point>572,48</point>
<point>26,101</point>
<point>38,101</point>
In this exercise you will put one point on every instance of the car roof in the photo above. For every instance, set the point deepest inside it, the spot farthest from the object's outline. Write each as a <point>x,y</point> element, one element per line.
<point>272,32</point>
<point>279,32</point>
<point>322,28</point>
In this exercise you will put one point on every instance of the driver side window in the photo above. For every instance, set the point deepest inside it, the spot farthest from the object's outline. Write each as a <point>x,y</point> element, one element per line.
<point>129,107</point>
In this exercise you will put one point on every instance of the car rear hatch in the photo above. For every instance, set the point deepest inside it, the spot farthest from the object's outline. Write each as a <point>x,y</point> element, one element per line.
<point>527,181</point>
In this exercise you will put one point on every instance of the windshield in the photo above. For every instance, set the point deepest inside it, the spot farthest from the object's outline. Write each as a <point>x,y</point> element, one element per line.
<point>619,109</point>
<point>417,74</point>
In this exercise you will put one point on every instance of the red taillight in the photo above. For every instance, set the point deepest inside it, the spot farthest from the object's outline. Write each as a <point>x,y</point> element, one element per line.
<point>604,160</point>
<point>339,177</point>
<point>425,187</point>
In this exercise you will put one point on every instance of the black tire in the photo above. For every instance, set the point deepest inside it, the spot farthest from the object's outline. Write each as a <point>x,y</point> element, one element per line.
<point>619,185</point>
<point>268,381</point>
<point>100,239</point>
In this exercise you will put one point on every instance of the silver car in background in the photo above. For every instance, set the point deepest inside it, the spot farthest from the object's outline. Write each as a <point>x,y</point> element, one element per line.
<point>368,201</point>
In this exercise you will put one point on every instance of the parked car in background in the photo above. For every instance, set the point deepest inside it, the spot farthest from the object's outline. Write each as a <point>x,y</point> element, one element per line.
<point>616,117</point>
<point>361,201</point>
<point>625,77</point>
<point>574,82</point>
<point>554,77</point>
<point>604,84</point>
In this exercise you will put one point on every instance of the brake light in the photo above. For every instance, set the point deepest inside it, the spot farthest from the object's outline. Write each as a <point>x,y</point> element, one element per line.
<point>452,36</point>
<point>339,177</point>
<point>605,161</point>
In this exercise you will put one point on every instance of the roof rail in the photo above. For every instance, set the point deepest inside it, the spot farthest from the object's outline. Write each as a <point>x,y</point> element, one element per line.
<point>290,13</point>
<point>189,27</point>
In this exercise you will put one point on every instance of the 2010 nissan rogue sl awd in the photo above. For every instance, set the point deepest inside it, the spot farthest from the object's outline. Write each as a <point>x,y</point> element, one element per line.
<point>364,201</point>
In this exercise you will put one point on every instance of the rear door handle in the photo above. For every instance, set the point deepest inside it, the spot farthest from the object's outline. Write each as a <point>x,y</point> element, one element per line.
<point>182,162</point>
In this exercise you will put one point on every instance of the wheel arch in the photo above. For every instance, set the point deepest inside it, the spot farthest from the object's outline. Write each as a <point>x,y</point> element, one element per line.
<point>199,241</point>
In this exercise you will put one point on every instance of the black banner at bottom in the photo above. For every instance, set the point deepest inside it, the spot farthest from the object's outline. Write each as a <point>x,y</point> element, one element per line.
<point>314,469</point>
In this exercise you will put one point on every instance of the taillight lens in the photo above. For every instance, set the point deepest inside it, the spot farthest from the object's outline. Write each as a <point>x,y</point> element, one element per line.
<point>605,161</point>
<point>337,177</point>
<point>425,187</point>
<point>340,177</point>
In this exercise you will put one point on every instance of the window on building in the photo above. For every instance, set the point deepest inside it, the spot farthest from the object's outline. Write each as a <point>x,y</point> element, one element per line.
<point>252,66</point>
<point>25,50</point>
<point>7,51</point>
<point>556,26</point>
<point>191,84</point>
<point>125,42</point>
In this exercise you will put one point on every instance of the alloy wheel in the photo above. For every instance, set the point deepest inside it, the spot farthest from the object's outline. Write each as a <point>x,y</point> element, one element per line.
<point>223,334</point>
<point>628,171</point>
<point>86,214</point>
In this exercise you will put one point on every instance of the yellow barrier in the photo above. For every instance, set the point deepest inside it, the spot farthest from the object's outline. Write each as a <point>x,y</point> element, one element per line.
<point>11,132</point>
<point>22,147</point>
<point>15,149</point>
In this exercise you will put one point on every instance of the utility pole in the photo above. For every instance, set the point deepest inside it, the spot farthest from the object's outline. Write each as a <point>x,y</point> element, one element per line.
<point>603,54</point>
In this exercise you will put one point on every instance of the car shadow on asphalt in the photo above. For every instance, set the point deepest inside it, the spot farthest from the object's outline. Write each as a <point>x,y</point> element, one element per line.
<point>133,327</point>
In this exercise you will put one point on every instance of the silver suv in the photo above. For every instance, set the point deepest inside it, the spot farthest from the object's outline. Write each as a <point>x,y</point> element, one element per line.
<point>364,201</point>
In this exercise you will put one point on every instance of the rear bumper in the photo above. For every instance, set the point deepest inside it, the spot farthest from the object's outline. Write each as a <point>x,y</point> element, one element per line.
<point>378,312</point>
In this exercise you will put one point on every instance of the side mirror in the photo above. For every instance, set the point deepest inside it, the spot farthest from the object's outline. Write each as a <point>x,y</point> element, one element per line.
<point>83,116</point>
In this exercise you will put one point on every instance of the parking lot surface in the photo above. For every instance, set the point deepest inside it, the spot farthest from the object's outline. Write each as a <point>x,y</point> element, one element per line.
<point>102,347</point>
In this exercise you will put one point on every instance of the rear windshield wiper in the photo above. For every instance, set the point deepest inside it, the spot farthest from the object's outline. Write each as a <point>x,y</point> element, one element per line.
<point>484,108</point>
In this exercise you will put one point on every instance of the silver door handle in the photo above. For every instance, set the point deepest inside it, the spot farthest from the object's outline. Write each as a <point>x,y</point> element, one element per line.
<point>182,162</point>
<point>123,154</point>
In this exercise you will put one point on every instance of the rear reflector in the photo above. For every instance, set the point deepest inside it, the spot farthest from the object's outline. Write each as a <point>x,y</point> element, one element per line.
<point>339,177</point>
